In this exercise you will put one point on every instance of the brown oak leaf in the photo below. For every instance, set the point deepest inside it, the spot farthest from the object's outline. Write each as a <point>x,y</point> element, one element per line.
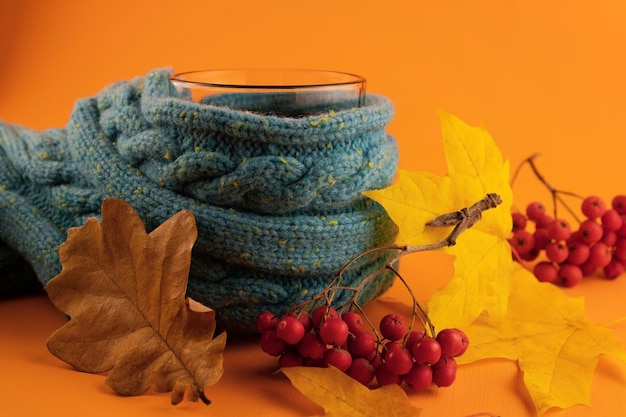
<point>124,291</point>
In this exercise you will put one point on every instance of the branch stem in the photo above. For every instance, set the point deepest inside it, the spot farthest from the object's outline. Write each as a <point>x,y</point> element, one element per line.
<point>460,220</point>
<point>426,322</point>
<point>554,192</point>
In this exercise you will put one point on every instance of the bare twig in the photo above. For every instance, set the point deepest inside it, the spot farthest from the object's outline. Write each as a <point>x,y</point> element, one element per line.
<point>369,322</point>
<point>416,306</point>
<point>554,192</point>
<point>462,220</point>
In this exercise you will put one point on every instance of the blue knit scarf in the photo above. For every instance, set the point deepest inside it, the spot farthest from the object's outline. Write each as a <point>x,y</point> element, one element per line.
<point>277,199</point>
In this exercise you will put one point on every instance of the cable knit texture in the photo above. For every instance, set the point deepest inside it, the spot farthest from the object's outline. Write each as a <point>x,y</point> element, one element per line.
<point>277,199</point>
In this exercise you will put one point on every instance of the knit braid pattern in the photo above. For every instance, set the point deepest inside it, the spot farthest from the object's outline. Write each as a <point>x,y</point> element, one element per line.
<point>277,199</point>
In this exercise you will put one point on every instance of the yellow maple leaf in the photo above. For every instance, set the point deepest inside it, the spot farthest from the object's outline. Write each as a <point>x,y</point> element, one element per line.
<point>475,168</point>
<point>547,334</point>
<point>341,395</point>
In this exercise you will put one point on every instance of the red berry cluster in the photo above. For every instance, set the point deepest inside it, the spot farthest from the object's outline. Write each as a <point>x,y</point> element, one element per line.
<point>599,243</point>
<point>394,355</point>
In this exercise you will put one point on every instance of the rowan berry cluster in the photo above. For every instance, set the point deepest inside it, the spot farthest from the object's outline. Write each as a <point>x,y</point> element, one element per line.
<point>391,354</point>
<point>598,243</point>
<point>318,332</point>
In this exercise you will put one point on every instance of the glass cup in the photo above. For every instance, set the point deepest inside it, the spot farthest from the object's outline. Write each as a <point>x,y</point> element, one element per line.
<point>279,92</point>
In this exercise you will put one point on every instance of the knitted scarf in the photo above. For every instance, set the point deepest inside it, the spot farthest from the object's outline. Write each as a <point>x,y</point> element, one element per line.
<point>277,199</point>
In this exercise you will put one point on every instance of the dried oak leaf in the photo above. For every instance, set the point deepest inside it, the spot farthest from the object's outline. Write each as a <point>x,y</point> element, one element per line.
<point>341,395</point>
<point>124,291</point>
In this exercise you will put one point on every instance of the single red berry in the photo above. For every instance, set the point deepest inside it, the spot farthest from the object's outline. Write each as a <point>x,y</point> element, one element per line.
<point>375,358</point>
<point>451,341</point>
<point>611,220</point>
<point>542,238</point>
<point>578,253</point>
<point>322,313</point>
<point>613,270</point>
<point>600,255</point>
<point>266,321</point>
<point>272,344</point>
<point>619,204</point>
<point>412,338</point>
<point>361,344</point>
<point>570,275</point>
<point>447,361</point>
<point>535,210</point>
<point>333,331</point>
<point>590,231</point>
<point>398,360</point>
<point>426,351</point>
<point>546,271</point>
<point>465,340</point>
<point>609,237</point>
<point>339,358</point>
<point>392,326</point>
<point>559,229</point>
<point>290,329</point>
<point>587,268</point>
<point>557,251</point>
<point>543,221</point>
<point>361,370</point>
<point>305,318</point>
<point>444,376</point>
<point>385,377</point>
<point>522,241</point>
<point>593,207</point>
<point>519,220</point>
<point>311,346</point>
<point>354,321</point>
<point>419,377</point>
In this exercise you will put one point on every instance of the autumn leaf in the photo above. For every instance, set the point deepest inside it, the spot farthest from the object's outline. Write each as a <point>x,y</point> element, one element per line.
<point>124,291</point>
<point>475,168</point>
<point>341,395</point>
<point>547,334</point>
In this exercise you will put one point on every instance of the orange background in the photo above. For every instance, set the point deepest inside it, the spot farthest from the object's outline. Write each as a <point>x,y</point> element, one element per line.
<point>541,76</point>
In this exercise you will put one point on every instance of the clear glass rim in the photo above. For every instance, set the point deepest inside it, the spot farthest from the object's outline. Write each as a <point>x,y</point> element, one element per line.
<point>209,78</point>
